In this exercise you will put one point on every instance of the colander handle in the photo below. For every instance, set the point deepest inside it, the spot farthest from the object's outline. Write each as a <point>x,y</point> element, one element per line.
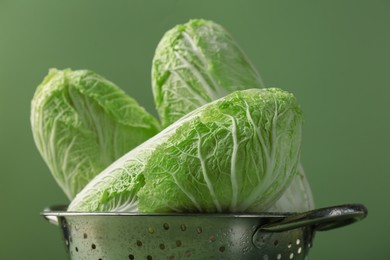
<point>52,219</point>
<point>51,213</point>
<point>320,219</point>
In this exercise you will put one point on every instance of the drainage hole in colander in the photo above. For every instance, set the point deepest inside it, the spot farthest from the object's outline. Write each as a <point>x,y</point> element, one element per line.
<point>166,226</point>
<point>162,246</point>
<point>298,241</point>
<point>131,257</point>
<point>291,255</point>
<point>93,246</point>
<point>139,243</point>
<point>212,238</point>
<point>279,256</point>
<point>265,257</point>
<point>183,227</point>
<point>76,248</point>
<point>85,236</point>
<point>289,245</point>
<point>299,250</point>
<point>172,257</point>
<point>151,230</point>
<point>178,243</point>
<point>149,257</point>
<point>188,253</point>
<point>222,249</point>
<point>276,243</point>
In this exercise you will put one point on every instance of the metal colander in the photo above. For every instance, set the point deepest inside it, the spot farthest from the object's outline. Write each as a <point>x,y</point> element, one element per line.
<point>196,236</point>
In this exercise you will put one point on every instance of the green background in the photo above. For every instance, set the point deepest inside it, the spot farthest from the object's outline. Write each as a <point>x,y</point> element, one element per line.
<point>334,55</point>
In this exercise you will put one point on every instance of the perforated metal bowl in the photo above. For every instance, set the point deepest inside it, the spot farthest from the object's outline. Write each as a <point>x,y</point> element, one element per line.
<point>196,236</point>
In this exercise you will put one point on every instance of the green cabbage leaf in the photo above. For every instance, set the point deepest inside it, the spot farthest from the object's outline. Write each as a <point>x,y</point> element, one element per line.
<point>194,64</point>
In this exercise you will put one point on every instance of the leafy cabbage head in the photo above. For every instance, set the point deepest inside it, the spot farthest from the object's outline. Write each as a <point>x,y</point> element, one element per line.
<point>198,62</point>
<point>235,154</point>
<point>82,122</point>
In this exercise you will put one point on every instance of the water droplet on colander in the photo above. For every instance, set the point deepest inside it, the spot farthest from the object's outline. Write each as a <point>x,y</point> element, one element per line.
<point>245,250</point>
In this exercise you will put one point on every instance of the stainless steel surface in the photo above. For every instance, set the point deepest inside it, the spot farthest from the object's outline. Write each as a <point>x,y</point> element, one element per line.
<point>196,236</point>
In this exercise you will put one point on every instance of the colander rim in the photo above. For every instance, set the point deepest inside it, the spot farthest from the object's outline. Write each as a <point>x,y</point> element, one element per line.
<point>60,211</point>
